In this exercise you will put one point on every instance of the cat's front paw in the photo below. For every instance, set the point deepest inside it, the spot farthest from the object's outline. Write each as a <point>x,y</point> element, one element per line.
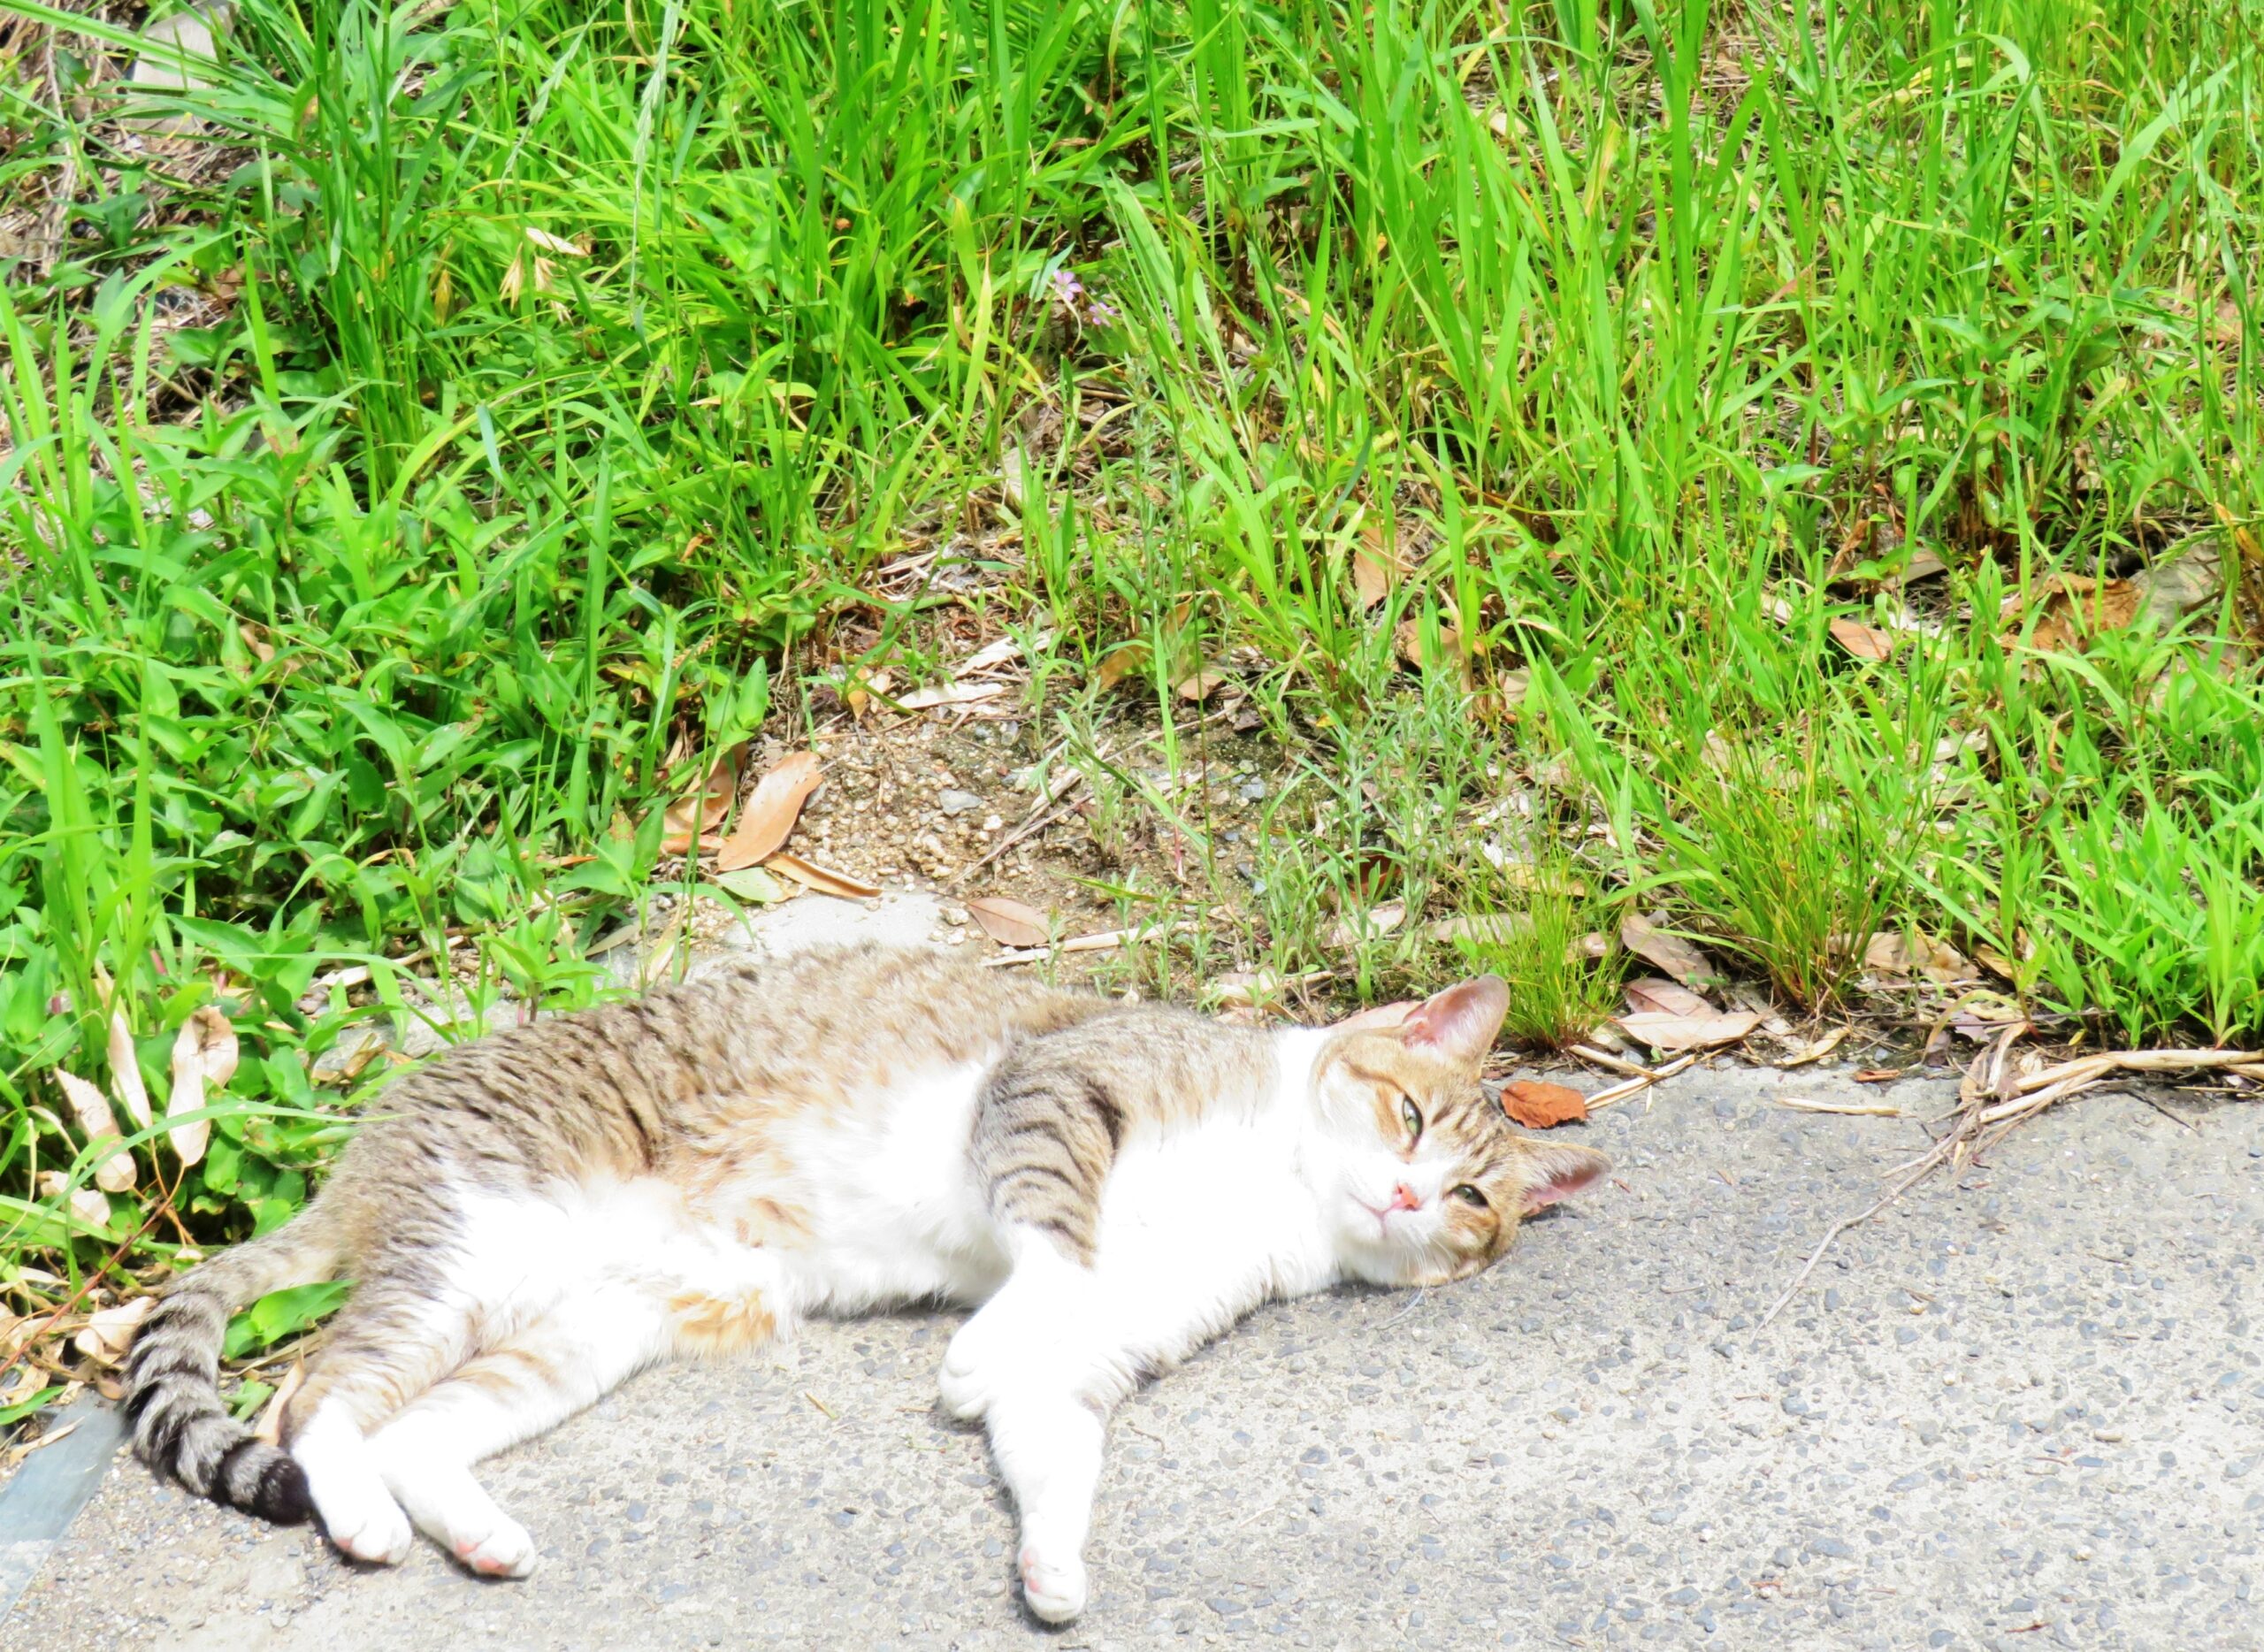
<point>1054,1584</point>
<point>963,1383</point>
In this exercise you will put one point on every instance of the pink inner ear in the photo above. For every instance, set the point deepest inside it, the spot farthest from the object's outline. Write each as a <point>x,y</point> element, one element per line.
<point>1462,1021</point>
<point>1561,1185</point>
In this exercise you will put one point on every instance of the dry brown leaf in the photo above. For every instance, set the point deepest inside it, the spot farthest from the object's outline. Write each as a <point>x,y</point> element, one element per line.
<point>1818,1049</point>
<point>1650,996</point>
<point>110,1332</point>
<point>1409,640</point>
<point>1923,564</point>
<point>769,818</point>
<point>858,698</point>
<point>1119,663</point>
<point>205,1050</point>
<point>1875,1075</point>
<point>1492,928</point>
<point>270,1427</point>
<point>2073,607</point>
<point>88,1204</point>
<point>691,818</point>
<point>255,640</point>
<point>824,879</point>
<point>1540,1106</point>
<point>1915,957</point>
<point>1198,687</point>
<point>1865,642</point>
<point>1373,924</point>
<point>1995,962</point>
<point>115,1173</point>
<point>1377,566</point>
<point>125,1073</point>
<point>994,654</point>
<point>1689,1032</point>
<point>1009,922</point>
<point>1670,952</point>
<point>951,694</point>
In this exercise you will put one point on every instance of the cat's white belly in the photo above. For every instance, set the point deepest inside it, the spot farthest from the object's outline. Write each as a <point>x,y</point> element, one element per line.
<point>896,1214</point>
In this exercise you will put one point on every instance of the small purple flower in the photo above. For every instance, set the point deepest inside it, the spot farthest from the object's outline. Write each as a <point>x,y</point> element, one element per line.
<point>1067,289</point>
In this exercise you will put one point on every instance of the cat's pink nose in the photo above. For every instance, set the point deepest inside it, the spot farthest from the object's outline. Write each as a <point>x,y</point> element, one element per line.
<point>1403,1199</point>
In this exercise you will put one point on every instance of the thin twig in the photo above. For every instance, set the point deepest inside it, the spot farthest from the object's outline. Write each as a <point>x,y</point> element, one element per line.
<point>1636,1086</point>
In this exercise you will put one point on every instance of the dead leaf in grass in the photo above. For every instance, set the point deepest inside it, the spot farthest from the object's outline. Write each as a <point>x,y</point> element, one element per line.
<point>1119,663</point>
<point>858,698</point>
<point>1488,929</point>
<point>690,819</point>
<point>951,694</point>
<point>205,1052</point>
<point>1377,566</point>
<point>824,879</point>
<point>1650,996</point>
<point>1198,687</point>
<point>270,1427</point>
<point>1917,957</point>
<point>110,1333</point>
<point>1865,642</point>
<point>1669,951</point>
<point>1540,1106</point>
<point>115,1173</point>
<point>1923,564</point>
<point>1409,640</point>
<point>88,1205</point>
<point>1995,962</point>
<point>1373,924</point>
<point>1009,922</point>
<point>769,818</point>
<point>2073,607</point>
<point>1688,1032</point>
<point>125,1073</point>
<point>1818,1049</point>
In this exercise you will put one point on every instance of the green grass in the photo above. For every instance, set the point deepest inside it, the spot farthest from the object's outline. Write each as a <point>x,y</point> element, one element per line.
<point>555,378</point>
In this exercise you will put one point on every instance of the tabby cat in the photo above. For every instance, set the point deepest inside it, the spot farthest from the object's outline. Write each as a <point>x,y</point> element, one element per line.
<point>543,1212</point>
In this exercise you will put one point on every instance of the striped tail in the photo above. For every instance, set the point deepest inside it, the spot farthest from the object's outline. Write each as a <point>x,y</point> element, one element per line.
<point>172,1377</point>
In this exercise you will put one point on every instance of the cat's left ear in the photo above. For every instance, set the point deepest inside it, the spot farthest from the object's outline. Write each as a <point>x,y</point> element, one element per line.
<point>1549,1173</point>
<point>1460,1022</point>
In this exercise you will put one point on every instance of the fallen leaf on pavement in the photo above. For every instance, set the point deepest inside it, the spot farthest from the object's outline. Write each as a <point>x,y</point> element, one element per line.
<point>769,818</point>
<point>205,1050</point>
<point>1671,953</point>
<point>691,818</point>
<point>1876,1074</point>
<point>1009,922</point>
<point>824,879</point>
<point>115,1173</point>
<point>1540,1106</point>
<point>1688,1032</point>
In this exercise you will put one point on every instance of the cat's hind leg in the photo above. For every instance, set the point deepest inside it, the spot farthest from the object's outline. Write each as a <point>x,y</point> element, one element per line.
<point>543,1373</point>
<point>387,1346</point>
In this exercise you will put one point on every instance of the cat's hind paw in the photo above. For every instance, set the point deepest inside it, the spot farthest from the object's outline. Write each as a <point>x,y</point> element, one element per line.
<point>507,1551</point>
<point>1054,1585</point>
<point>369,1528</point>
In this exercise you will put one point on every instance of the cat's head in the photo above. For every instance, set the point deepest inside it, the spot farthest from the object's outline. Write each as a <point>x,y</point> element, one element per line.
<point>1430,1181</point>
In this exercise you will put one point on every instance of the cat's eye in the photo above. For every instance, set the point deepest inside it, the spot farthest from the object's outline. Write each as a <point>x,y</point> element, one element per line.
<point>1411,1116</point>
<point>1471,1194</point>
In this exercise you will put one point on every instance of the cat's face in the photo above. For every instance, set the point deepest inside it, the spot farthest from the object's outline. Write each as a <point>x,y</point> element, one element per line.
<point>1432,1182</point>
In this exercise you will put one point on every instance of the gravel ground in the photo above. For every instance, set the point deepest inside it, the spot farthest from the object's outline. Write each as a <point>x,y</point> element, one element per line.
<point>2023,1413</point>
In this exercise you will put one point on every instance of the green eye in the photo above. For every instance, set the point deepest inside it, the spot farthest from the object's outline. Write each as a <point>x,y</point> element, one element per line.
<point>1412,1115</point>
<point>1466,1191</point>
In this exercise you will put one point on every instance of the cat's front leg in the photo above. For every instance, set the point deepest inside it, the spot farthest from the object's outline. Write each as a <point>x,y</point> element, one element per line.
<point>1047,1442</point>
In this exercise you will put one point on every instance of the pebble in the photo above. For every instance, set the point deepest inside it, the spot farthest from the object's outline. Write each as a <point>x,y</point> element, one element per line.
<point>952,802</point>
